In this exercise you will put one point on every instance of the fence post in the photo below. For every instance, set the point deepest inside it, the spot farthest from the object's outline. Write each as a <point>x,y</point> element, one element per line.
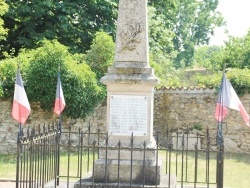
<point>208,157</point>
<point>18,158</point>
<point>182,159</point>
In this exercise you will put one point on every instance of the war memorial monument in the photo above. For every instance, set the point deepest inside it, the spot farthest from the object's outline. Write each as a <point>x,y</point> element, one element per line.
<point>130,97</point>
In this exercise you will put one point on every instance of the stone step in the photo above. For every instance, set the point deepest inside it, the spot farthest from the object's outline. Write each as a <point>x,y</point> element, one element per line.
<point>87,182</point>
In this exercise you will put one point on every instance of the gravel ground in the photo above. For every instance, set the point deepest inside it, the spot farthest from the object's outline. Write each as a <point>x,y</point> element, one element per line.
<point>4,183</point>
<point>12,184</point>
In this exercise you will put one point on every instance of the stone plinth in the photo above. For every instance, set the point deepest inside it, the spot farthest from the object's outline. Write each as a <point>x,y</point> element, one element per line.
<point>149,154</point>
<point>124,171</point>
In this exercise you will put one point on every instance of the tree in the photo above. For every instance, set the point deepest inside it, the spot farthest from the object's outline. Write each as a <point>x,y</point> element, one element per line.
<point>101,54</point>
<point>192,21</point>
<point>237,52</point>
<point>160,37</point>
<point>72,23</point>
<point>203,56</point>
<point>3,10</point>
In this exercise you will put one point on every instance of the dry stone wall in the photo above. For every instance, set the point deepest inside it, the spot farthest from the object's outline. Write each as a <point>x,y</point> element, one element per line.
<point>179,108</point>
<point>173,108</point>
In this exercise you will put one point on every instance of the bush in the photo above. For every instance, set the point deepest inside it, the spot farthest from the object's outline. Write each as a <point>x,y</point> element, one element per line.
<point>39,70</point>
<point>239,78</point>
<point>7,77</point>
<point>80,88</point>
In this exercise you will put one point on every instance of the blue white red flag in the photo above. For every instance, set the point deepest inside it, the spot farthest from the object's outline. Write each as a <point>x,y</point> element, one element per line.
<point>229,99</point>
<point>21,107</point>
<point>59,102</point>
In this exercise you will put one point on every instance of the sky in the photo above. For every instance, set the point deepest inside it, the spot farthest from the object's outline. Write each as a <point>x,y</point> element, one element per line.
<point>237,15</point>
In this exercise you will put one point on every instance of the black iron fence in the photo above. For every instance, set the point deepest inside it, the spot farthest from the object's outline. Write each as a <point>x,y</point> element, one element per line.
<point>37,156</point>
<point>45,155</point>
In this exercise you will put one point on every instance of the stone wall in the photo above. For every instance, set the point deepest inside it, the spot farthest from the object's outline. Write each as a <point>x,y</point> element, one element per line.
<point>178,108</point>
<point>174,108</point>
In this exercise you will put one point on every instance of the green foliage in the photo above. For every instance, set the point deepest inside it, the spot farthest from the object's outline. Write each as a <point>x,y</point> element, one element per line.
<point>3,9</point>
<point>192,22</point>
<point>39,69</point>
<point>175,26</point>
<point>206,80</point>
<point>72,23</point>
<point>160,37</point>
<point>239,78</point>
<point>197,126</point>
<point>8,69</point>
<point>237,52</point>
<point>1,89</point>
<point>101,54</point>
<point>79,84</point>
<point>167,74</point>
<point>203,57</point>
<point>162,49</point>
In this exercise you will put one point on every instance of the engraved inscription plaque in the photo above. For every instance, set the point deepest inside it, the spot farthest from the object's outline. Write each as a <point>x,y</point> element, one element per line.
<point>128,114</point>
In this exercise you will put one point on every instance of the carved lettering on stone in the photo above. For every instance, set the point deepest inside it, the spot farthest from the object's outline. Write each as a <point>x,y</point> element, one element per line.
<point>128,114</point>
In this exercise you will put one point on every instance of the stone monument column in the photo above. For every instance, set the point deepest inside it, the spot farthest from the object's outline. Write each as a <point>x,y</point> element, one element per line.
<point>130,94</point>
<point>130,81</point>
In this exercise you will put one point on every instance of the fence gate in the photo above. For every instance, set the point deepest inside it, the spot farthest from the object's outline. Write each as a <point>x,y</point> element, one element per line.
<point>48,155</point>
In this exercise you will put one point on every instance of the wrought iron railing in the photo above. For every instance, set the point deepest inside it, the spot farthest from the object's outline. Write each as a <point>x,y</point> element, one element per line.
<point>45,155</point>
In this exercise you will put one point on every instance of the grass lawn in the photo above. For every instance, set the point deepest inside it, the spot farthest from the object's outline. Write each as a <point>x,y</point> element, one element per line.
<point>236,167</point>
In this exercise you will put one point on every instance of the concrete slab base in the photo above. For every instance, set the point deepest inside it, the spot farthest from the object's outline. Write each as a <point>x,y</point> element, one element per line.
<point>164,183</point>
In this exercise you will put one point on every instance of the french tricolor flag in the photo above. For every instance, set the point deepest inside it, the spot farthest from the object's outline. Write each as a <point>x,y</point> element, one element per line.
<point>21,106</point>
<point>229,99</point>
<point>59,102</point>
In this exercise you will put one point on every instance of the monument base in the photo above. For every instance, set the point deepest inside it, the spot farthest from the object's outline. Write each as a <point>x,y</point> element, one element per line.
<point>167,181</point>
<point>120,171</point>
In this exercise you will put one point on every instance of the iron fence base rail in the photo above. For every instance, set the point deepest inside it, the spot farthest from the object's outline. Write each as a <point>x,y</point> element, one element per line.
<point>43,156</point>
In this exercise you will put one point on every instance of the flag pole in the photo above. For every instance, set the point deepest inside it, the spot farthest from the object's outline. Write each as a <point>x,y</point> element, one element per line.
<point>58,108</point>
<point>220,144</point>
<point>19,147</point>
<point>60,116</point>
<point>57,178</point>
<point>20,112</point>
<point>20,125</point>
